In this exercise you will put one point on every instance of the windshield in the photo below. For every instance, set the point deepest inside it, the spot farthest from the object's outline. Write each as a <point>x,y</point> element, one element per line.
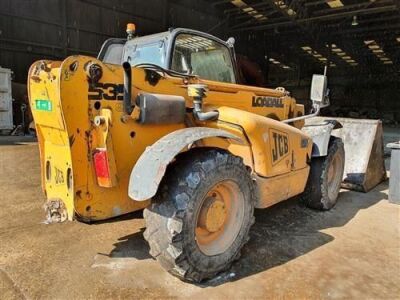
<point>203,57</point>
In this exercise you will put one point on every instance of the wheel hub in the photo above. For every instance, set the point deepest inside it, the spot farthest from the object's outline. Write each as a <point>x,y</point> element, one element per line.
<point>332,170</point>
<point>212,215</point>
<point>219,218</point>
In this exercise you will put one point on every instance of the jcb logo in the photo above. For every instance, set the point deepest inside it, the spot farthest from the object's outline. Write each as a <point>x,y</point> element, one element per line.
<point>59,176</point>
<point>279,145</point>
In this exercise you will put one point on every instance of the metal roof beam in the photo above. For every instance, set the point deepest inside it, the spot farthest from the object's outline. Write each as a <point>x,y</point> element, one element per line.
<point>324,17</point>
<point>328,11</point>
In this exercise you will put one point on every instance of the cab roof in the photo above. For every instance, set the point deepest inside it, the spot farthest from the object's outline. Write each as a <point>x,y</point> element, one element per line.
<point>171,33</point>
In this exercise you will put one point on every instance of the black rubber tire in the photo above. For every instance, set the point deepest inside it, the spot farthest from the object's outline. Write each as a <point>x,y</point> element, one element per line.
<point>316,194</point>
<point>170,219</point>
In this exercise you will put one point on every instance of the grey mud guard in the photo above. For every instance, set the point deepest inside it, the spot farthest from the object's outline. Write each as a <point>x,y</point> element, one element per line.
<point>320,132</point>
<point>150,168</point>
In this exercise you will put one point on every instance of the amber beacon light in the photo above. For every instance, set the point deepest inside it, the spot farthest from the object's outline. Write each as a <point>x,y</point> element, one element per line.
<point>130,30</point>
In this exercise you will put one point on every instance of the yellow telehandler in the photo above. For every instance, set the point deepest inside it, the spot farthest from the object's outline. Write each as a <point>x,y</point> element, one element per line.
<point>160,123</point>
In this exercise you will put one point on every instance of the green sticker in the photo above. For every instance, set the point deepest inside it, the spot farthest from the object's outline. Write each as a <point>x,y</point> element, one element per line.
<point>43,105</point>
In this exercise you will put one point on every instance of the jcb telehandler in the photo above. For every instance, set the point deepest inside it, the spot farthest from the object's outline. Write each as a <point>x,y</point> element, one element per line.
<point>160,122</point>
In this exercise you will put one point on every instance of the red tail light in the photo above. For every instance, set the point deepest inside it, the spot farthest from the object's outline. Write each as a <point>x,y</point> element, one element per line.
<point>102,168</point>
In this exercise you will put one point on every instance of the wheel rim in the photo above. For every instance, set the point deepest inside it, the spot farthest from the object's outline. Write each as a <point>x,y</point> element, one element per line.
<point>220,218</point>
<point>334,176</point>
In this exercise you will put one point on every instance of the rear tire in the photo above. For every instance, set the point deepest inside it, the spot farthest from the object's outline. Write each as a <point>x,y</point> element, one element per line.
<point>201,216</point>
<point>325,177</point>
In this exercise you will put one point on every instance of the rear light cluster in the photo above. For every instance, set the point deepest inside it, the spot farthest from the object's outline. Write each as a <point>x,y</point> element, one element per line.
<point>102,167</point>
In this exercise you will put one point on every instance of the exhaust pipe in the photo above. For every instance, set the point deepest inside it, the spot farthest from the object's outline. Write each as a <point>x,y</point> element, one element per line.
<point>128,107</point>
<point>200,114</point>
<point>198,92</point>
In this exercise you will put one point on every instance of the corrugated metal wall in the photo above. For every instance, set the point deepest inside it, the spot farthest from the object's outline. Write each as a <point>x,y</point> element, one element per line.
<point>37,29</point>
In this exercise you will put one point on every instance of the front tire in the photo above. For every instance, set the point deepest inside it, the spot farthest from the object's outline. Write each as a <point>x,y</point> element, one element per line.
<point>326,174</point>
<point>201,216</point>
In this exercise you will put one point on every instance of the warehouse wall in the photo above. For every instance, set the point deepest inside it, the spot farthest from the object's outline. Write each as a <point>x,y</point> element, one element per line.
<point>356,99</point>
<point>53,29</point>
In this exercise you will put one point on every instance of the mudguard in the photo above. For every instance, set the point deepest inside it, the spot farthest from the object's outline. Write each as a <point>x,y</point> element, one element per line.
<point>363,143</point>
<point>150,168</point>
<point>320,132</point>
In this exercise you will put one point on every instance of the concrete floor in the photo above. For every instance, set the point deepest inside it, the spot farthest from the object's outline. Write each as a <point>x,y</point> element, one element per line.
<point>353,251</point>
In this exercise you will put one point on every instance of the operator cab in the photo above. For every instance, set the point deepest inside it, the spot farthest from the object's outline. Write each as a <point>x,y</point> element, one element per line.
<point>185,51</point>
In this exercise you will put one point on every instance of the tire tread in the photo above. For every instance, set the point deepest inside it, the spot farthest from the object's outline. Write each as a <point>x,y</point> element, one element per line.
<point>170,205</point>
<point>315,194</point>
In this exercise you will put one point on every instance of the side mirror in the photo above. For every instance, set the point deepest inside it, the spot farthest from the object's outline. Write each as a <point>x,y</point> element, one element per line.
<point>319,90</point>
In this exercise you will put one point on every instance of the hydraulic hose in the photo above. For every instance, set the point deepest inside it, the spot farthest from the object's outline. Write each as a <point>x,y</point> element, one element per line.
<point>316,113</point>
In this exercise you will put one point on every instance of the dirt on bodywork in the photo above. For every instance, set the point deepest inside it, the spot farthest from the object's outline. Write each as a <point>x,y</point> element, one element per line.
<point>349,252</point>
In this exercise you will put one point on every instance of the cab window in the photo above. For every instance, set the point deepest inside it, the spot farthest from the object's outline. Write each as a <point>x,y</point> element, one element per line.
<point>111,51</point>
<point>113,54</point>
<point>204,57</point>
<point>145,53</point>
